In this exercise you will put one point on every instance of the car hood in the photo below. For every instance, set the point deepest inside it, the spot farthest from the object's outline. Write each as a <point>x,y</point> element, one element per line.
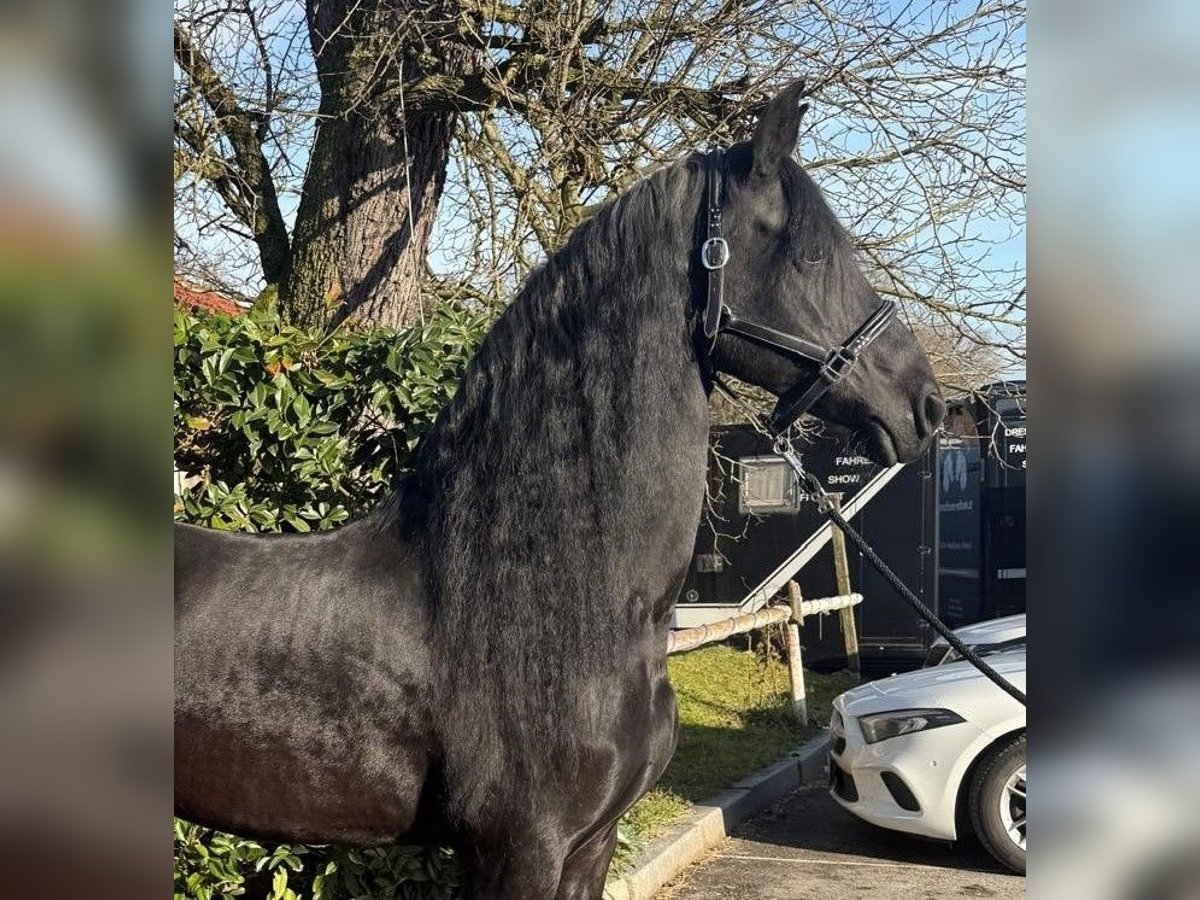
<point>957,686</point>
<point>993,631</point>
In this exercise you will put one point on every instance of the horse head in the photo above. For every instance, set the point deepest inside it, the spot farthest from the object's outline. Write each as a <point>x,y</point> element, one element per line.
<point>792,270</point>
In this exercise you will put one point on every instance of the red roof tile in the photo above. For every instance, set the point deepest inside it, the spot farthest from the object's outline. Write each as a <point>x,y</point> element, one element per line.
<point>195,299</point>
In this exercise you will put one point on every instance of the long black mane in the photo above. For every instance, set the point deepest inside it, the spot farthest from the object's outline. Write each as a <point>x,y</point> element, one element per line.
<point>518,481</point>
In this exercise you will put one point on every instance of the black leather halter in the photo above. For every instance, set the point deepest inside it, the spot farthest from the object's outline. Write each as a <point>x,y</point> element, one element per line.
<point>831,365</point>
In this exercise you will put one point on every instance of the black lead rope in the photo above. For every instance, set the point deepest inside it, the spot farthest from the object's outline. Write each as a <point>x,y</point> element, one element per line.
<point>924,611</point>
<point>784,449</point>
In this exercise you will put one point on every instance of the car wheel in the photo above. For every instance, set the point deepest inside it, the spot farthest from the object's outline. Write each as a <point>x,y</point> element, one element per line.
<point>997,802</point>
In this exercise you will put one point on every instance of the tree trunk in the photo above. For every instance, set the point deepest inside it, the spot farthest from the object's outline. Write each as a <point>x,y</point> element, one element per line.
<point>353,251</point>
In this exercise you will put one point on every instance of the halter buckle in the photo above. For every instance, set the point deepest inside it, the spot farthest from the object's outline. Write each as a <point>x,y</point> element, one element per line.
<point>838,364</point>
<point>720,247</point>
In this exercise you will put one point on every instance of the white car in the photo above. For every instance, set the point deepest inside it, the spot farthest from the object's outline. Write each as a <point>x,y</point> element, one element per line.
<point>914,751</point>
<point>991,636</point>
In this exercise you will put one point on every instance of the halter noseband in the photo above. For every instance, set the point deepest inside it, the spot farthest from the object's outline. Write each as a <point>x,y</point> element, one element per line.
<point>832,365</point>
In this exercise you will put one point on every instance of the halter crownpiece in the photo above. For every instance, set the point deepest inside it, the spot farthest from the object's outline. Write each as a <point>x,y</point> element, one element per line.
<point>714,252</point>
<point>831,365</point>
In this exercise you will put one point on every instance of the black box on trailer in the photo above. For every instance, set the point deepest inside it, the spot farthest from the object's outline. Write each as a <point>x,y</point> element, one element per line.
<point>960,530</point>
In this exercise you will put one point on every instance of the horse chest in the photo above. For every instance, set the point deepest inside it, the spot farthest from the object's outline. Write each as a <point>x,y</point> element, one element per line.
<point>627,756</point>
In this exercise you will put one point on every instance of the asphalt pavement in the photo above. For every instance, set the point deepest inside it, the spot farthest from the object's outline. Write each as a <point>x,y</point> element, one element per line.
<point>806,847</point>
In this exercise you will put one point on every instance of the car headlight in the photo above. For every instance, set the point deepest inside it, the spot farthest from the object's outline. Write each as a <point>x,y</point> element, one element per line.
<point>881,726</point>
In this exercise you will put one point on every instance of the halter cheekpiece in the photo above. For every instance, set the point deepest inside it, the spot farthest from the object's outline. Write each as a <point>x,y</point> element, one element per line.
<point>832,365</point>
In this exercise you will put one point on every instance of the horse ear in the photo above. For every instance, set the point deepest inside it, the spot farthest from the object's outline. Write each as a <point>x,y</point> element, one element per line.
<point>778,129</point>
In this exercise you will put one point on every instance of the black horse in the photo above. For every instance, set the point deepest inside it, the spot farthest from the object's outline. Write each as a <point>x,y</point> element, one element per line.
<point>481,660</point>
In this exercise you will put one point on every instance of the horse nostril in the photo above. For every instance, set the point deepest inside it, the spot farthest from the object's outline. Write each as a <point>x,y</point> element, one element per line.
<point>934,409</point>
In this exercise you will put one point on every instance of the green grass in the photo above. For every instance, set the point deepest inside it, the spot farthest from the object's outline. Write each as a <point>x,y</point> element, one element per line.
<point>734,718</point>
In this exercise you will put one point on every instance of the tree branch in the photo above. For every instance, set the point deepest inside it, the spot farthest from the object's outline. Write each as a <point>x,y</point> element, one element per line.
<point>244,130</point>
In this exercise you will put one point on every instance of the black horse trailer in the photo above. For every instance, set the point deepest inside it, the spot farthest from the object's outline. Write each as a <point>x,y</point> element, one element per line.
<point>951,524</point>
<point>981,561</point>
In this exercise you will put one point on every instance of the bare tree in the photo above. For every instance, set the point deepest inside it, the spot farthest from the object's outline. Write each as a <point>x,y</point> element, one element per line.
<point>506,123</point>
<point>245,101</point>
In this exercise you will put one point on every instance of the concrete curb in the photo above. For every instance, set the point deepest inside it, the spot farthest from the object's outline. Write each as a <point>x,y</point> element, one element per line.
<point>708,824</point>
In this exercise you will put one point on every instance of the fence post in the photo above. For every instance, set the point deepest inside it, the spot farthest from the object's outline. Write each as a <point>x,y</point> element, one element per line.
<point>841,566</point>
<point>795,664</point>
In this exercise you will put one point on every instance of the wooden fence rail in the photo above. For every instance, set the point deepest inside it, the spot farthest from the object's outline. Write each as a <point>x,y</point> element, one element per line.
<point>790,615</point>
<point>691,638</point>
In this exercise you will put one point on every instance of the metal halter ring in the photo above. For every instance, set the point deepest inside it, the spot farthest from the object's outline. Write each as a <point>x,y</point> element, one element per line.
<point>719,245</point>
<point>814,490</point>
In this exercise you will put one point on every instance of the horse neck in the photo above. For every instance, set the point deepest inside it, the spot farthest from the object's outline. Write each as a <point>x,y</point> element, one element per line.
<point>606,377</point>
<point>594,359</point>
<point>577,438</point>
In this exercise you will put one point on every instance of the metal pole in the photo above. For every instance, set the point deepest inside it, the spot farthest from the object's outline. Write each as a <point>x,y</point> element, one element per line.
<point>841,566</point>
<point>795,663</point>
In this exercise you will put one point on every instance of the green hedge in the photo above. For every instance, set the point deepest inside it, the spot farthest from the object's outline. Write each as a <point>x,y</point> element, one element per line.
<point>279,428</point>
<point>289,429</point>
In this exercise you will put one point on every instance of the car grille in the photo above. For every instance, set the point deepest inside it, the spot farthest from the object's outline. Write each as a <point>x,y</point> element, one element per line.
<point>842,783</point>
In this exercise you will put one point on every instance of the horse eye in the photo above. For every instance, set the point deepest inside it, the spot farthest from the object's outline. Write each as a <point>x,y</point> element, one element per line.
<point>802,261</point>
